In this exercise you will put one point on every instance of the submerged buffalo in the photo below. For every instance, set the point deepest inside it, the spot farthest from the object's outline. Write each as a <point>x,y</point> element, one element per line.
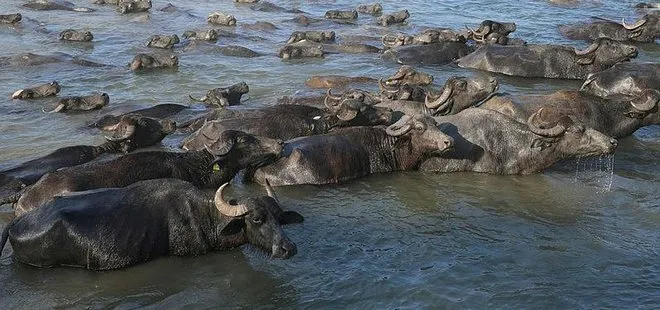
<point>75,35</point>
<point>224,96</point>
<point>10,18</point>
<point>121,227</point>
<point>221,19</point>
<point>133,6</point>
<point>31,59</point>
<point>40,91</point>
<point>428,36</point>
<point>549,61</point>
<point>397,17</point>
<point>163,41</point>
<point>458,94</point>
<point>437,53</point>
<point>645,30</point>
<point>204,35</point>
<point>160,111</point>
<point>371,9</point>
<point>289,121</point>
<point>153,61</point>
<point>490,142</point>
<point>341,15</point>
<point>617,116</point>
<point>81,103</point>
<point>628,78</point>
<point>131,133</point>
<point>214,165</point>
<point>302,49</point>
<point>50,5</point>
<point>350,153</point>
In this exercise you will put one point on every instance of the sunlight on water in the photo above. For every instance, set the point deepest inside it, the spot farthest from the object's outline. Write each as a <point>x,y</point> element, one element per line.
<point>595,171</point>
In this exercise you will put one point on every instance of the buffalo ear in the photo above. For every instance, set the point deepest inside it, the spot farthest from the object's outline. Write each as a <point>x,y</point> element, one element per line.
<point>220,147</point>
<point>291,217</point>
<point>233,227</point>
<point>586,60</point>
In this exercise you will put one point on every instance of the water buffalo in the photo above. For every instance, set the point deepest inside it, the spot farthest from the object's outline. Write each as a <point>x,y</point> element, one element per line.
<point>458,94</point>
<point>628,78</point>
<point>313,36</point>
<point>153,61</point>
<point>350,153</point>
<point>210,167</point>
<point>335,81</point>
<point>341,15</point>
<point>428,36</point>
<point>549,61</point>
<point>408,75</point>
<point>31,59</point>
<point>75,35</point>
<point>289,121</point>
<point>437,53</point>
<point>131,133</point>
<point>160,111</point>
<point>120,227</point>
<point>133,6</point>
<point>492,32</point>
<point>40,91</point>
<point>301,49</point>
<point>204,35</point>
<point>617,116</point>
<point>10,18</point>
<point>265,6</point>
<point>163,41</point>
<point>406,92</point>
<point>81,103</point>
<point>490,142</point>
<point>50,5</point>
<point>371,9</point>
<point>221,19</point>
<point>645,30</point>
<point>225,96</point>
<point>397,17</point>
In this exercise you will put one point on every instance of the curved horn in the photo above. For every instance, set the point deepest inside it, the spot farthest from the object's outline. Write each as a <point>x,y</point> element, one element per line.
<point>331,96</point>
<point>590,49</point>
<point>647,105</point>
<point>400,127</point>
<point>203,99</point>
<point>390,40</point>
<point>59,108</point>
<point>130,130</point>
<point>590,78</point>
<point>386,88</point>
<point>634,26</point>
<point>270,191</point>
<point>347,111</point>
<point>475,34</point>
<point>17,94</point>
<point>224,207</point>
<point>446,93</point>
<point>545,132</point>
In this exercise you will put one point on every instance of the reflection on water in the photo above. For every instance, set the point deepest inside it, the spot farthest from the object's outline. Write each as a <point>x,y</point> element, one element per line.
<point>583,234</point>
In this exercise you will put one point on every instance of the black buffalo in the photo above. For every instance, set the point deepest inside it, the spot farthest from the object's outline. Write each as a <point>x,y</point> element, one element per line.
<point>121,227</point>
<point>153,61</point>
<point>645,30</point>
<point>628,78</point>
<point>81,103</point>
<point>350,153</point>
<point>490,142</point>
<point>216,164</point>
<point>437,53</point>
<point>132,132</point>
<point>161,111</point>
<point>225,96</point>
<point>549,61</point>
<point>617,116</point>
<point>289,121</point>
<point>40,91</point>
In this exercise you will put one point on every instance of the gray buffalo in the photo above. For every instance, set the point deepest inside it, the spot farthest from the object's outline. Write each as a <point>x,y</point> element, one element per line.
<point>371,9</point>
<point>204,35</point>
<point>163,41</point>
<point>350,153</point>
<point>40,91</point>
<point>210,167</point>
<point>490,142</point>
<point>341,15</point>
<point>153,61</point>
<point>159,111</point>
<point>80,103</point>
<point>628,78</point>
<point>549,61</point>
<point>133,6</point>
<point>10,18</point>
<point>50,5</point>
<point>302,49</point>
<point>313,36</point>
<point>617,115</point>
<point>645,30</point>
<point>75,35</point>
<point>397,17</point>
<point>437,53</point>
<point>121,227</point>
<point>221,19</point>
<point>224,96</point>
<point>428,36</point>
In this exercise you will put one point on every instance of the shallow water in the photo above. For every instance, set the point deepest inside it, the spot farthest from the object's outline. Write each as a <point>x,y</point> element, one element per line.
<point>584,234</point>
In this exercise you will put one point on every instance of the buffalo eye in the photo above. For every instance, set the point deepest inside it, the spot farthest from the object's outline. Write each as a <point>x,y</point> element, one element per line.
<point>420,127</point>
<point>257,220</point>
<point>461,84</point>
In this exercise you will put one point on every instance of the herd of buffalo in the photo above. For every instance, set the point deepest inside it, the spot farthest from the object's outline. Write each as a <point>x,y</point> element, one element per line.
<point>72,209</point>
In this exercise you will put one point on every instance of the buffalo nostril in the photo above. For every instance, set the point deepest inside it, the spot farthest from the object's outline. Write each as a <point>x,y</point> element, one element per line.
<point>614,142</point>
<point>280,142</point>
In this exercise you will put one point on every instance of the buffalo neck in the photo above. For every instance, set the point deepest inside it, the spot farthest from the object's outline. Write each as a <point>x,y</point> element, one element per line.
<point>386,153</point>
<point>209,175</point>
<point>220,241</point>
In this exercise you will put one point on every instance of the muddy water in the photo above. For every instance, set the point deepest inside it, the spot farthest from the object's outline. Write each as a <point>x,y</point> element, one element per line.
<point>581,235</point>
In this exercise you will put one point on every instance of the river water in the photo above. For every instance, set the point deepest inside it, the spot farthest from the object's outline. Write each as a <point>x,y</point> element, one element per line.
<point>584,234</point>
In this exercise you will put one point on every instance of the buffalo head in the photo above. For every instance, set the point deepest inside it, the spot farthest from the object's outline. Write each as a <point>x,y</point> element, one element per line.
<point>247,150</point>
<point>460,93</point>
<point>646,29</point>
<point>411,92</point>
<point>45,90</point>
<point>10,18</point>
<point>221,19</point>
<point>407,74</point>
<point>205,35</point>
<point>258,221</point>
<point>134,131</point>
<point>423,133</point>
<point>75,35</point>
<point>225,96</point>
<point>163,41</point>
<point>645,104</point>
<point>571,139</point>
<point>605,53</point>
<point>356,107</point>
<point>145,61</point>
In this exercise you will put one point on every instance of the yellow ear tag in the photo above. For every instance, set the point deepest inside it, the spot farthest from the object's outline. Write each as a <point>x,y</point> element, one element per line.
<point>216,167</point>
